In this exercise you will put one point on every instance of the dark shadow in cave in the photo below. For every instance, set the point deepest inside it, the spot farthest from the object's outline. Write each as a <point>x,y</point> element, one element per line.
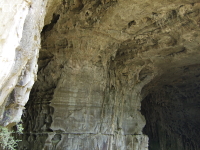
<point>171,106</point>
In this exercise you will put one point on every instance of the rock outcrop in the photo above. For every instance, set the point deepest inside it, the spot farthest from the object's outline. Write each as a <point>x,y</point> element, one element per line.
<point>101,64</point>
<point>22,21</point>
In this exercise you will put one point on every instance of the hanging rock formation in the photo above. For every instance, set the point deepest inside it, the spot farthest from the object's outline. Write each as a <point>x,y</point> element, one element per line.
<point>106,69</point>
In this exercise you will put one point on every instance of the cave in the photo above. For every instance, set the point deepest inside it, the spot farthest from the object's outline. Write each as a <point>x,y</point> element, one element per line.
<point>107,74</point>
<point>103,90</point>
<point>171,109</point>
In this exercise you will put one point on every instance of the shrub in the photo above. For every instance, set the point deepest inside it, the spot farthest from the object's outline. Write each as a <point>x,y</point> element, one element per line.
<point>7,141</point>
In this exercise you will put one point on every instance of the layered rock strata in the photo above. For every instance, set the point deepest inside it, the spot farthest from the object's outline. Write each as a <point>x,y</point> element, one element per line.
<point>97,60</point>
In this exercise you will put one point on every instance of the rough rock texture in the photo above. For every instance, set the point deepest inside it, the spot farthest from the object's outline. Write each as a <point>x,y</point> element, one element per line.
<point>21,24</point>
<point>99,60</point>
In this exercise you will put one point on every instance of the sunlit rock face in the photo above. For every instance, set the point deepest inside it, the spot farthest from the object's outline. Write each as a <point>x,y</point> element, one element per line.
<point>112,75</point>
<point>21,24</point>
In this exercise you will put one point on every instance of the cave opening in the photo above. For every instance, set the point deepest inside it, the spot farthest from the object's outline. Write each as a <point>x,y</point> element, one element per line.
<point>171,108</point>
<point>88,95</point>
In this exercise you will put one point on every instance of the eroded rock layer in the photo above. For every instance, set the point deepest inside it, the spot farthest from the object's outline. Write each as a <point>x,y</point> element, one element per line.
<point>97,63</point>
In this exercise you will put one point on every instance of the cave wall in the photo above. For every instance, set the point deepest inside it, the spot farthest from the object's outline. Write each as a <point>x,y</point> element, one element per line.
<point>78,102</point>
<point>172,120</point>
<point>171,109</point>
<point>95,59</point>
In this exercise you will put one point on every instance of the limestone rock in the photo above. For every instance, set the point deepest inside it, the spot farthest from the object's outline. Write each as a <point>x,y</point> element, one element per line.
<point>102,63</point>
<point>96,60</point>
<point>22,21</point>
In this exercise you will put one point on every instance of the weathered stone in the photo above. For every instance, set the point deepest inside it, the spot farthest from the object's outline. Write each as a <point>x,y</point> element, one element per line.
<point>100,62</point>
<point>22,22</point>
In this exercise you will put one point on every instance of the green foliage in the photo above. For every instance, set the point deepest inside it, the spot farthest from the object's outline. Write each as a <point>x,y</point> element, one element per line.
<point>19,128</point>
<point>7,141</point>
